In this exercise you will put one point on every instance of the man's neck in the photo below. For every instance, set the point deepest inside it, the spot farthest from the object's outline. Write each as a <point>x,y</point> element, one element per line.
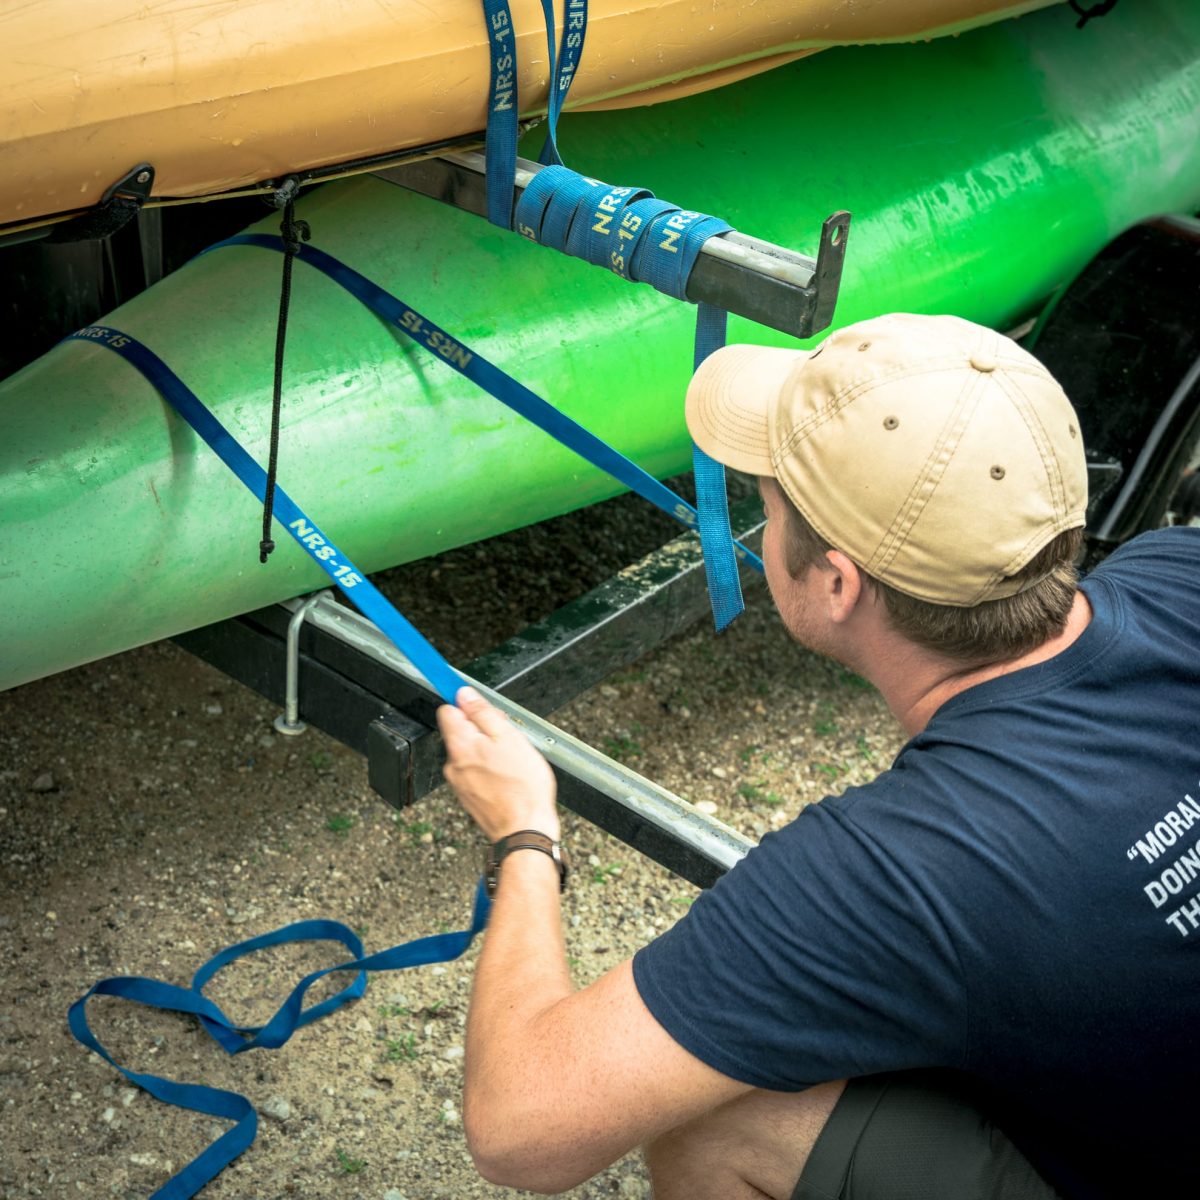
<point>916,684</point>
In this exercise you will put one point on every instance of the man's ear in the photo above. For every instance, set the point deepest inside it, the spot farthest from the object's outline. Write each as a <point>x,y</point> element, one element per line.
<point>843,583</point>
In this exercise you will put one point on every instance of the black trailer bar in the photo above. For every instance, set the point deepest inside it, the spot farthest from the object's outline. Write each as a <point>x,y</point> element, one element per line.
<point>759,280</point>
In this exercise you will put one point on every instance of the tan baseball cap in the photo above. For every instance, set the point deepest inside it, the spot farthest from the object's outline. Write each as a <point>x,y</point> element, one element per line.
<point>936,453</point>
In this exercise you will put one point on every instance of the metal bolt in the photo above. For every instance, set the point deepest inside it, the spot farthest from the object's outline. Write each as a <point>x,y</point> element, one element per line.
<point>143,177</point>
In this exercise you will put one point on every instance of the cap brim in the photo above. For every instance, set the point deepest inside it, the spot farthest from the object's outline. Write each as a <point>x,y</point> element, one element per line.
<point>729,401</point>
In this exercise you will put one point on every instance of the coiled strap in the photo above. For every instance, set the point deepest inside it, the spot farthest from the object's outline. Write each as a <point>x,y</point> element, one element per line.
<point>234,1038</point>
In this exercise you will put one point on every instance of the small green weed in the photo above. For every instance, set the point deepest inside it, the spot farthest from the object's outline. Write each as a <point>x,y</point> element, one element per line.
<point>825,728</point>
<point>320,760</point>
<point>603,874</point>
<point>622,748</point>
<point>393,1010</point>
<point>351,1166</point>
<point>756,795</point>
<point>415,829</point>
<point>400,1049</point>
<point>340,824</point>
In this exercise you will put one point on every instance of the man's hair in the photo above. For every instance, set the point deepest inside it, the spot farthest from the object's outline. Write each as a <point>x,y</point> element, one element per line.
<point>988,632</point>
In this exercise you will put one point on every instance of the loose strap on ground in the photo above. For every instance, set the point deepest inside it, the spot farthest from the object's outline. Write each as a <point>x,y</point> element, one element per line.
<point>235,1038</point>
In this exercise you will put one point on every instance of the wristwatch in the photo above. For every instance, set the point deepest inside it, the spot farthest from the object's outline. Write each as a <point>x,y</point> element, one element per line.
<point>523,839</point>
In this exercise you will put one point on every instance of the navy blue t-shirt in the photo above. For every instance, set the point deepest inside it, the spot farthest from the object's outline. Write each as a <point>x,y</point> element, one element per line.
<point>1017,899</point>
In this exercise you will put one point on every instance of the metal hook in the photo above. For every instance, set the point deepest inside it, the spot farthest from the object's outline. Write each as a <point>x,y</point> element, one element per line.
<point>288,722</point>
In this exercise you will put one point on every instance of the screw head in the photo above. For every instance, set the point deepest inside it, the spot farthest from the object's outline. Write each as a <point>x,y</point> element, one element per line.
<point>143,177</point>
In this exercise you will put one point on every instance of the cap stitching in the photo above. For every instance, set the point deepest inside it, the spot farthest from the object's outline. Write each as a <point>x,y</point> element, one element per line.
<point>853,392</point>
<point>928,478</point>
<point>734,434</point>
<point>1041,440</point>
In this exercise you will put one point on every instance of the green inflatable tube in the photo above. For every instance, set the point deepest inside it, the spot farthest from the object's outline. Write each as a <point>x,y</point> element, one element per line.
<point>982,171</point>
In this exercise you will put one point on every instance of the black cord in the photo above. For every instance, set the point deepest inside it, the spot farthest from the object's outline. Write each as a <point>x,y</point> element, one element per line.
<point>293,232</point>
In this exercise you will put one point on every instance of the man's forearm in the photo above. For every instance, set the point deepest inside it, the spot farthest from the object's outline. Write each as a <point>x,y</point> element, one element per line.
<point>522,973</point>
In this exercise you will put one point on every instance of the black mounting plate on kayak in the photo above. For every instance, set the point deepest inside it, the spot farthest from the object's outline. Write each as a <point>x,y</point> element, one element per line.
<point>766,283</point>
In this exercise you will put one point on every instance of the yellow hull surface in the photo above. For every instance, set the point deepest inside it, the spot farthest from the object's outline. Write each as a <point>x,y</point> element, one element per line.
<point>225,95</point>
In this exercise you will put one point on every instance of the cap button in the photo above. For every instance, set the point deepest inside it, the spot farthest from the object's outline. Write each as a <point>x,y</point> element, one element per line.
<point>982,361</point>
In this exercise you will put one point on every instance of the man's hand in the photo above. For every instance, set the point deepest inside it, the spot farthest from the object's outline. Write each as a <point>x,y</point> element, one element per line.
<point>502,781</point>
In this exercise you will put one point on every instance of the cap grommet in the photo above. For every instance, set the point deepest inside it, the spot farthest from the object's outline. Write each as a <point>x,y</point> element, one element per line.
<point>890,422</point>
<point>997,472</point>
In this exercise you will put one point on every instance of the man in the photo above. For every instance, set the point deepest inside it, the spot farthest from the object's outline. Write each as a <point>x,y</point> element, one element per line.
<point>996,942</point>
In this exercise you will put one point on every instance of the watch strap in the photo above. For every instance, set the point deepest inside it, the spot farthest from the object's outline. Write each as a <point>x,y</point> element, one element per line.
<point>523,839</point>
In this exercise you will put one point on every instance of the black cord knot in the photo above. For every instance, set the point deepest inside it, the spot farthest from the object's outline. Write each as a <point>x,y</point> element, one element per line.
<point>293,233</point>
<point>265,548</point>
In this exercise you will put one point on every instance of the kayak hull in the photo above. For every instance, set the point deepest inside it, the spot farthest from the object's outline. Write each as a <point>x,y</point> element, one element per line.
<point>1024,153</point>
<point>222,96</point>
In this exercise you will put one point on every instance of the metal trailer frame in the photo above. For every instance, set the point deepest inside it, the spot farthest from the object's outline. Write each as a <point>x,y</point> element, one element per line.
<point>328,666</point>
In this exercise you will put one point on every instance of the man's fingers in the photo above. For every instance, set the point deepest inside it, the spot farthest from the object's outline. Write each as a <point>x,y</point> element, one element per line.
<point>455,726</point>
<point>486,718</point>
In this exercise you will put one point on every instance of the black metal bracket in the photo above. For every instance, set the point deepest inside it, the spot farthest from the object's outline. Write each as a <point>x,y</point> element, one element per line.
<point>769,284</point>
<point>118,206</point>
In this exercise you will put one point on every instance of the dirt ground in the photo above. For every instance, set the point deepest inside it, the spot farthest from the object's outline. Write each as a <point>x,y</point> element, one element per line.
<point>150,816</point>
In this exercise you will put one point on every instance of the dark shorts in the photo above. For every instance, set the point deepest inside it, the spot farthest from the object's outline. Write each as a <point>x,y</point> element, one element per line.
<point>914,1136</point>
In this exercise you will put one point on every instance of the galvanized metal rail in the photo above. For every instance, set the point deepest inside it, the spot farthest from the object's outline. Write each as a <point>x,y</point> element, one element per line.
<point>649,803</point>
<point>766,283</point>
<point>335,671</point>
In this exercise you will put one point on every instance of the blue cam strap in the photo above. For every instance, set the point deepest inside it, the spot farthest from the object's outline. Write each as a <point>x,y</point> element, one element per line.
<point>357,587</point>
<point>562,72</point>
<point>497,383</point>
<point>235,1038</point>
<point>624,229</point>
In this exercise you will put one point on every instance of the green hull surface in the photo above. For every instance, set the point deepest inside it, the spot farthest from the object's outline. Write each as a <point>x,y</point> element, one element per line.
<point>982,173</point>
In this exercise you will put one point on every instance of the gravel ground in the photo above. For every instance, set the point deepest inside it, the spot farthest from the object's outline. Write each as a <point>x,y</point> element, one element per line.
<point>149,816</point>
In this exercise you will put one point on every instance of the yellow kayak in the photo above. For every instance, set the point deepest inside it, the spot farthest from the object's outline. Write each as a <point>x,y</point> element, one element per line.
<point>222,96</point>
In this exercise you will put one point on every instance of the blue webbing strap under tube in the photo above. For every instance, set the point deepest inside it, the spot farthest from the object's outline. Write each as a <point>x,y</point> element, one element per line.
<point>494,381</point>
<point>353,582</point>
<point>291,1015</point>
<point>235,1038</point>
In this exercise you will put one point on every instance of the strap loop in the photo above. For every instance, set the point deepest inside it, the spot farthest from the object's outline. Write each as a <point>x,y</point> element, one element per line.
<point>235,1039</point>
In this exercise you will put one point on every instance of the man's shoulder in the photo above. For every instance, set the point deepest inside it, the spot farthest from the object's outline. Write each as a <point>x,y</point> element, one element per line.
<point>1177,546</point>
